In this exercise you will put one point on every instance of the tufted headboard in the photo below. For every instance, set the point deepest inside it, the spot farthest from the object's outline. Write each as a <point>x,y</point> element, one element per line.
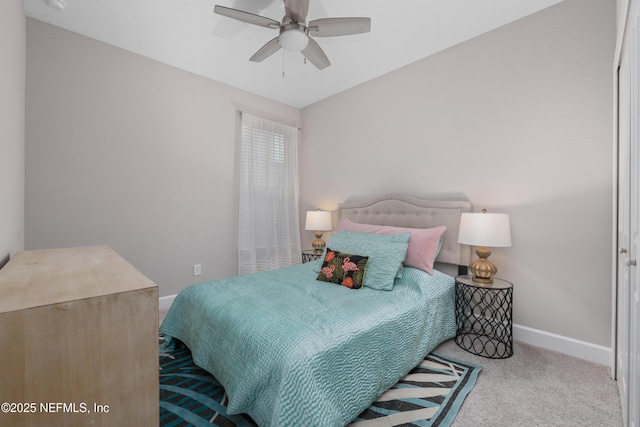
<point>402,210</point>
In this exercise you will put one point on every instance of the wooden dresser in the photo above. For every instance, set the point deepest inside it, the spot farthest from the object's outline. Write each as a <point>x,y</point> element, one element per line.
<point>78,340</point>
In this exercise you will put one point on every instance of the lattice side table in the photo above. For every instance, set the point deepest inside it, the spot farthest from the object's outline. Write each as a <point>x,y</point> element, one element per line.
<point>484,317</point>
<point>310,255</point>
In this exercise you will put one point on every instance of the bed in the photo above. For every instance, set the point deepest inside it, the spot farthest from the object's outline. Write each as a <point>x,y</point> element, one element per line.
<point>292,350</point>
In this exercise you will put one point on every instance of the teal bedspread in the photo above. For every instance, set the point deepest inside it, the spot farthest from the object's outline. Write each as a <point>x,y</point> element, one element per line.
<point>293,351</point>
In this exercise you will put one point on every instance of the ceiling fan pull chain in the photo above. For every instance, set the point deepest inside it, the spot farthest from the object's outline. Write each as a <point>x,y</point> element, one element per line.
<point>283,63</point>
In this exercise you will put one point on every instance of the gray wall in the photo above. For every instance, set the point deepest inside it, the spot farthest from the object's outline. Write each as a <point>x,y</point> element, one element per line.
<point>125,151</point>
<point>122,150</point>
<point>12,140</point>
<point>520,121</point>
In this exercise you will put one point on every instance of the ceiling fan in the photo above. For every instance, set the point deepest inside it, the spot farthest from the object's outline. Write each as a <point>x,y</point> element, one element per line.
<point>295,34</point>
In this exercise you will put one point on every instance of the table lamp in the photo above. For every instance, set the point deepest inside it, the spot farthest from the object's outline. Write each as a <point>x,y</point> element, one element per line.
<point>484,230</point>
<point>318,221</point>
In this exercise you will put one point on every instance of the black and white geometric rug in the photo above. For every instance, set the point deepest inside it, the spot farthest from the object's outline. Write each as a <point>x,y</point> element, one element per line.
<point>429,396</point>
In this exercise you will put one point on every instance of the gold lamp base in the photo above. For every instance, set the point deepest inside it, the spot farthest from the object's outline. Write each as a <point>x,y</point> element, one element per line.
<point>482,269</point>
<point>318,245</point>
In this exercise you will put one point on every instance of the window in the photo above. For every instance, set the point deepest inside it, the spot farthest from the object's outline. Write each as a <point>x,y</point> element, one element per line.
<point>269,235</point>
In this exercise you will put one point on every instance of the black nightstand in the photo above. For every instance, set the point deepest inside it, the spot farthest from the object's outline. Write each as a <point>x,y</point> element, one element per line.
<point>484,317</point>
<point>310,255</point>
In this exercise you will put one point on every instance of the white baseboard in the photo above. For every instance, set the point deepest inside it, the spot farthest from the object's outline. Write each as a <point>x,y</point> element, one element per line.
<point>572,347</point>
<point>165,302</point>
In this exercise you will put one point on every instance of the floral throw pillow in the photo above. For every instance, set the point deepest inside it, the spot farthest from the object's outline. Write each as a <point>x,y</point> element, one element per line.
<point>344,269</point>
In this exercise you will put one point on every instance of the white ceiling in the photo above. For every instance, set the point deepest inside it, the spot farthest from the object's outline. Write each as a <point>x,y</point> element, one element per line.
<point>188,35</point>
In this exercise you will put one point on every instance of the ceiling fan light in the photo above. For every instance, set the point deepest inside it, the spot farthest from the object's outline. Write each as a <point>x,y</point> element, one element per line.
<point>56,4</point>
<point>294,40</point>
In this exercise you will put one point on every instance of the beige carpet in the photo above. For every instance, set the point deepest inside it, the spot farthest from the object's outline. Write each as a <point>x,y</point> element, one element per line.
<point>537,387</point>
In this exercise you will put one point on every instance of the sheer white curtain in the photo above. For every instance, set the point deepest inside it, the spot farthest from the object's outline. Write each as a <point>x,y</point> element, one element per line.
<point>269,235</point>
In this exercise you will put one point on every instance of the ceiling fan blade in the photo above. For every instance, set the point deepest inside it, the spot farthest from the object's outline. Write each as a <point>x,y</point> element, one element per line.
<point>296,10</point>
<point>314,53</point>
<point>266,51</point>
<point>331,27</point>
<point>247,17</point>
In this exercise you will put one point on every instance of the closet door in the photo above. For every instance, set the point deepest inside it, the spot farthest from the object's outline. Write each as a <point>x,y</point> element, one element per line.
<point>634,222</point>
<point>623,309</point>
<point>628,278</point>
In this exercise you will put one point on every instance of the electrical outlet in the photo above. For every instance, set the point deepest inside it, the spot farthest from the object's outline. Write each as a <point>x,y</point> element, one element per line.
<point>197,269</point>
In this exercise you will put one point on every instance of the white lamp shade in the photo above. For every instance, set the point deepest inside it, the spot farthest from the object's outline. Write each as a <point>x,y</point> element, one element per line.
<point>485,229</point>
<point>318,221</point>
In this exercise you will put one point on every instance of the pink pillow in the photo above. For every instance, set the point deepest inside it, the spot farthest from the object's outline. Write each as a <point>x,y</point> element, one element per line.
<point>423,243</point>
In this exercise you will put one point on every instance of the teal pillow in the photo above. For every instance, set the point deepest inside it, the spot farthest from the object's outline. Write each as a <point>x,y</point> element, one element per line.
<point>386,254</point>
<point>344,269</point>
